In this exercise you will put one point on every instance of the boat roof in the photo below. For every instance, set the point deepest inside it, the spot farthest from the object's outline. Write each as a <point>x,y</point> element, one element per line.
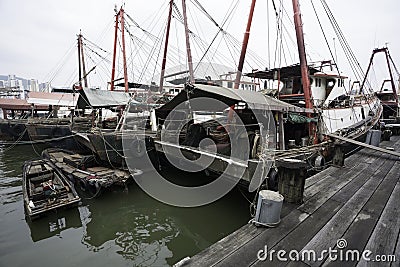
<point>20,104</point>
<point>228,97</point>
<point>285,72</point>
<point>96,98</point>
<point>55,99</point>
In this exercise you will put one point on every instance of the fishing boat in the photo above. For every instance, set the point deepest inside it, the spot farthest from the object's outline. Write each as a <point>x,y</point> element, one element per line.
<point>271,141</point>
<point>46,189</point>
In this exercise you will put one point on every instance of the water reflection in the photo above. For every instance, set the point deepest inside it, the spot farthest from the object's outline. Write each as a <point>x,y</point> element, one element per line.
<point>53,224</point>
<point>150,233</point>
<point>134,223</point>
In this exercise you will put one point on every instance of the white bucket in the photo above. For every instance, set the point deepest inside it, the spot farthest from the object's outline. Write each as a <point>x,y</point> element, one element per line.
<point>269,207</point>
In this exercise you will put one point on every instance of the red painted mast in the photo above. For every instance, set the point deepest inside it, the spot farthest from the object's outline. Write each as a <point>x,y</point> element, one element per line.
<point>119,19</point>
<point>166,47</point>
<point>188,51</point>
<point>302,54</point>
<point>304,67</point>
<point>244,45</point>
<point>114,52</point>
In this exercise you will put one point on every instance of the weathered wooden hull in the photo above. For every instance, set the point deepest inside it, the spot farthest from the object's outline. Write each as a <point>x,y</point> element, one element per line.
<point>24,131</point>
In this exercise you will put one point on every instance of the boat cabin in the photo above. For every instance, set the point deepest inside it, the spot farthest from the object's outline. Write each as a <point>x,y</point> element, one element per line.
<point>327,85</point>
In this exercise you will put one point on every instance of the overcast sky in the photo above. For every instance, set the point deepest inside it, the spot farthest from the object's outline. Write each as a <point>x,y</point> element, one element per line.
<point>36,35</point>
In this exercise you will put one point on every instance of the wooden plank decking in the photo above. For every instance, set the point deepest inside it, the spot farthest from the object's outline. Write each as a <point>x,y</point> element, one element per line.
<point>357,204</point>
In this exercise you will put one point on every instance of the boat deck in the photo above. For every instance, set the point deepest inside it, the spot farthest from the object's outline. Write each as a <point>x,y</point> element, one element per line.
<point>73,165</point>
<point>352,209</point>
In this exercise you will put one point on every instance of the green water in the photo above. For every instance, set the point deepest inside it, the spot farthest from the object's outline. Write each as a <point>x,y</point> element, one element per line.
<point>117,229</point>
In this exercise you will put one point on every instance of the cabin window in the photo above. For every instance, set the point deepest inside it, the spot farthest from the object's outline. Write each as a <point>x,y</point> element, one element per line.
<point>243,86</point>
<point>318,82</point>
<point>311,81</point>
<point>229,84</point>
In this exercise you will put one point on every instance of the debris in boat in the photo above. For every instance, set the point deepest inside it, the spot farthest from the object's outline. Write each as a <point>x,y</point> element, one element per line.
<point>84,171</point>
<point>45,189</point>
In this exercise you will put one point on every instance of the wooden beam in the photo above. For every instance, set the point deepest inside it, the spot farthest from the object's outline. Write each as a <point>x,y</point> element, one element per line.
<point>394,153</point>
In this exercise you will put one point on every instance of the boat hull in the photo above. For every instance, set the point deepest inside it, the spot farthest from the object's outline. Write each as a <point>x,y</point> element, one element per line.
<point>46,189</point>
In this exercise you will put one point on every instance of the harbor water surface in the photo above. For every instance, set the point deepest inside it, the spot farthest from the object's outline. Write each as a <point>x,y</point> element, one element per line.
<point>119,228</point>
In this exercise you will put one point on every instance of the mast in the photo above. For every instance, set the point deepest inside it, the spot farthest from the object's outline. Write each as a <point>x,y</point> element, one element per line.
<point>188,51</point>
<point>123,49</point>
<point>83,61</point>
<point>244,45</point>
<point>79,63</point>
<point>114,52</point>
<point>166,47</point>
<point>119,19</point>
<point>302,54</point>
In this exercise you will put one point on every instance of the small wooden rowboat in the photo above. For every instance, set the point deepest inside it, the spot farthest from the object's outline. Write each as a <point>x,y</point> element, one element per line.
<point>46,189</point>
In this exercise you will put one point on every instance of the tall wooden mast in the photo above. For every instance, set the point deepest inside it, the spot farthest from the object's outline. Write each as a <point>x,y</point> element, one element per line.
<point>166,46</point>
<point>188,51</point>
<point>79,63</point>
<point>123,49</point>
<point>114,52</point>
<point>312,131</point>
<point>119,19</point>
<point>83,61</point>
<point>302,54</point>
<point>244,45</point>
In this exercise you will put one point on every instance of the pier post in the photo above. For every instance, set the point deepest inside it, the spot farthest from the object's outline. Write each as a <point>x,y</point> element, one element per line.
<point>338,157</point>
<point>291,180</point>
<point>291,184</point>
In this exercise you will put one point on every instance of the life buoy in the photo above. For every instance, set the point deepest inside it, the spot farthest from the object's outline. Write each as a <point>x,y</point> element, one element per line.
<point>138,148</point>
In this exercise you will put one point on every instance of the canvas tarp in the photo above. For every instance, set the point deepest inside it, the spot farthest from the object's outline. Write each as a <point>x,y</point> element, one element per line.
<point>95,98</point>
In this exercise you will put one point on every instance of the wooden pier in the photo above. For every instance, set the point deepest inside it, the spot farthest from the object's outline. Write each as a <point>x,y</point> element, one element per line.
<point>348,209</point>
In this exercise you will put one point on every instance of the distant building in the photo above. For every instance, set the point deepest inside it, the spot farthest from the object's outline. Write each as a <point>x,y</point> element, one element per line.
<point>45,87</point>
<point>12,81</point>
<point>33,85</point>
